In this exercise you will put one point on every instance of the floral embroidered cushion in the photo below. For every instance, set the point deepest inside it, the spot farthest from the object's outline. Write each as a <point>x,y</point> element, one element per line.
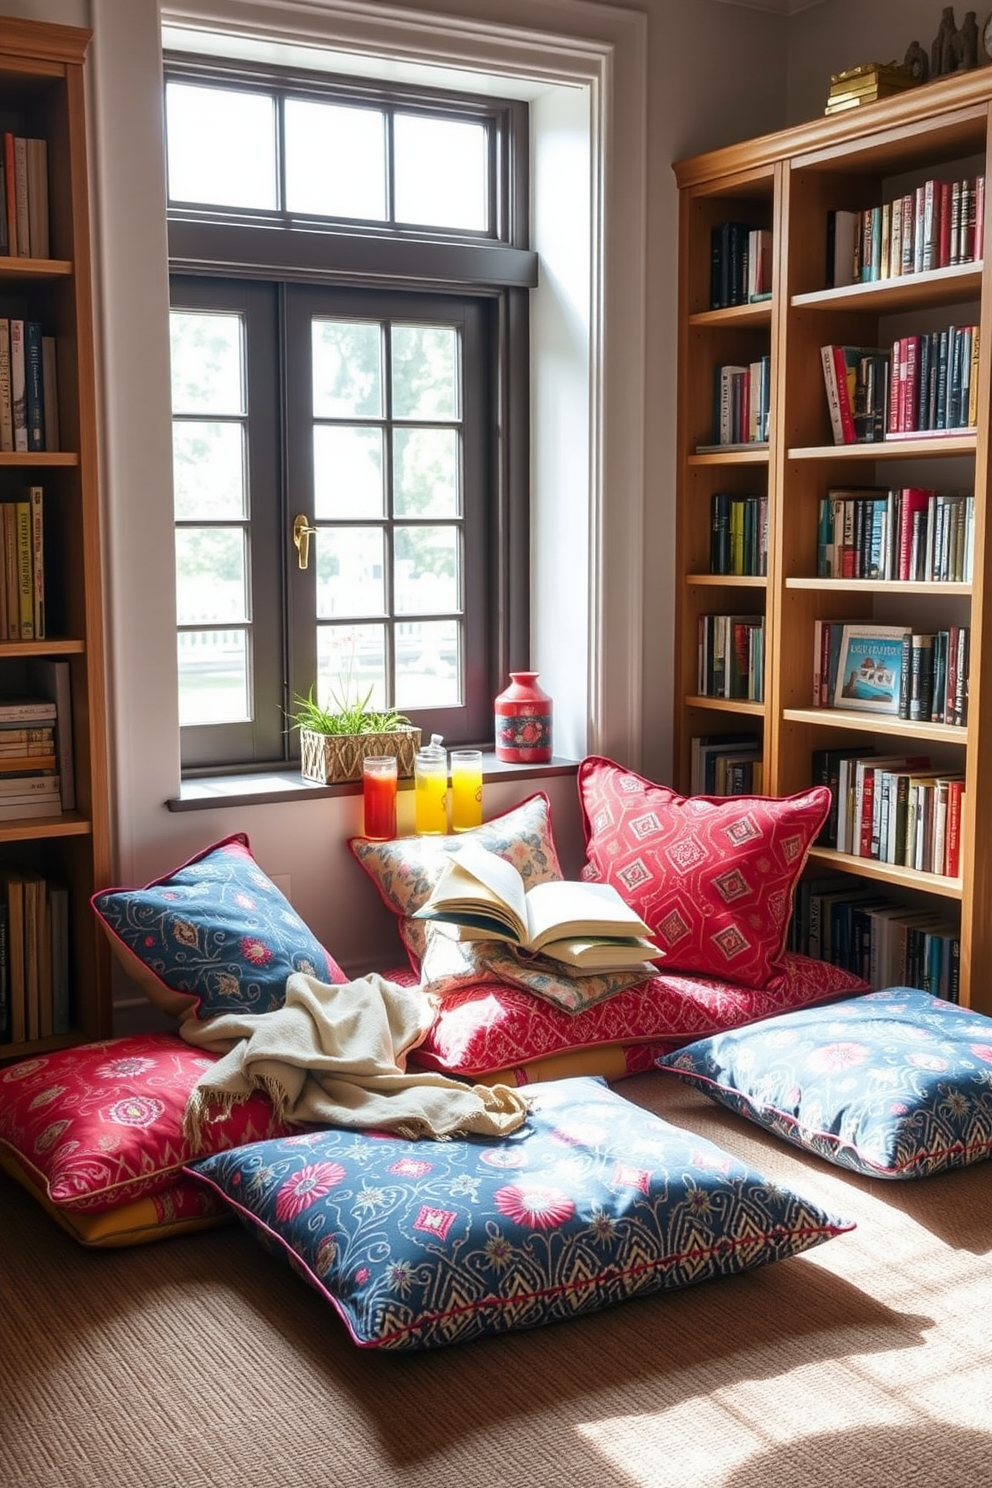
<point>421,1244</point>
<point>895,1084</point>
<point>714,877</point>
<point>487,1029</point>
<point>213,936</point>
<point>101,1125</point>
<point>406,869</point>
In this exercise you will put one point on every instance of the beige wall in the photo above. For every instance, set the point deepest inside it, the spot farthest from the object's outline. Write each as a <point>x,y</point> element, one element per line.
<point>716,73</point>
<point>844,33</point>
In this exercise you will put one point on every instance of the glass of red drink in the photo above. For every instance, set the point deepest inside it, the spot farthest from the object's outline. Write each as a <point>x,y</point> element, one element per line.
<point>379,795</point>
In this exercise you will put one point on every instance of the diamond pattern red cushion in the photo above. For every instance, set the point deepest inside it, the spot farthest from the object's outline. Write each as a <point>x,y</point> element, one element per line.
<point>713,876</point>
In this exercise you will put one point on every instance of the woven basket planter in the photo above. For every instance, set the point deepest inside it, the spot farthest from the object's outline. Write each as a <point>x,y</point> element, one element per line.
<point>331,759</point>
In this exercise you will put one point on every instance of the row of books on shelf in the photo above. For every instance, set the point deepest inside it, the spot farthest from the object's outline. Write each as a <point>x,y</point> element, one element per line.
<point>741,400</point>
<point>888,944</point>
<point>922,385</point>
<point>740,264</point>
<point>726,765</point>
<point>935,225</point>
<point>34,956</point>
<point>913,534</point>
<point>731,657</point>
<point>29,413</point>
<point>738,534</point>
<point>920,676</point>
<point>37,768</point>
<point>22,566</point>
<point>892,808</point>
<point>24,223</point>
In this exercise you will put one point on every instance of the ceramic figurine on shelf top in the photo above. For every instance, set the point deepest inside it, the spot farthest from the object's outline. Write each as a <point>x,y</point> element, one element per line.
<point>523,716</point>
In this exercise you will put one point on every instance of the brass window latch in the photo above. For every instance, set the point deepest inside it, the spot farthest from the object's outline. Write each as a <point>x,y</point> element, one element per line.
<point>302,533</point>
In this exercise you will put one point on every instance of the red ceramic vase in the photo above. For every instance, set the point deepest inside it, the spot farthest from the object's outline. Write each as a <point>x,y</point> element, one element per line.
<point>523,721</point>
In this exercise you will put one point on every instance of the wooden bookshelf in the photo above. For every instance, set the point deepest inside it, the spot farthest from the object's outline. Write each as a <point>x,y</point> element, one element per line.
<point>42,95</point>
<point>789,181</point>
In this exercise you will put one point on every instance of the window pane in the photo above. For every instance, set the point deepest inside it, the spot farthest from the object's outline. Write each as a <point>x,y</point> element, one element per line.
<point>351,662</point>
<point>239,167</point>
<point>350,572</point>
<point>347,368</point>
<point>347,472</point>
<point>441,176</point>
<point>425,372</point>
<point>425,472</point>
<point>335,160</point>
<point>426,570</point>
<point>210,575</point>
<point>207,363</point>
<point>208,467</point>
<point>213,676</point>
<point>428,664</point>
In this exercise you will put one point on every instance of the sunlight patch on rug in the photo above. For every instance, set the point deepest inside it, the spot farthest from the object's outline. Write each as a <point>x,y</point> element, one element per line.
<point>709,1438</point>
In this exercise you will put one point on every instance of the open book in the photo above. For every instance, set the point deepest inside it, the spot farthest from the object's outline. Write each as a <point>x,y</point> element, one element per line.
<point>583,925</point>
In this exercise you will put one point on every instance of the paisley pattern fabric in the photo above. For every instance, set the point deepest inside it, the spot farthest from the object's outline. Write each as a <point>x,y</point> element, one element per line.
<point>406,869</point>
<point>896,1084</point>
<point>101,1125</point>
<point>714,877</point>
<point>422,1244</point>
<point>213,936</point>
<point>484,1027</point>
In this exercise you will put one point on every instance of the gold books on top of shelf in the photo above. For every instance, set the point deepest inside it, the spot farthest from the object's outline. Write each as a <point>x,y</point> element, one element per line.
<point>866,83</point>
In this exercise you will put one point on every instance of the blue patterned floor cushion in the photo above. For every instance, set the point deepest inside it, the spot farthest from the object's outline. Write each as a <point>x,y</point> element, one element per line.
<point>418,1244</point>
<point>214,935</point>
<point>894,1084</point>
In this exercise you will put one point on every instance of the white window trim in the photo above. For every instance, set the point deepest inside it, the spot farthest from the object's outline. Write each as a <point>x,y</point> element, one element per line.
<point>583,66</point>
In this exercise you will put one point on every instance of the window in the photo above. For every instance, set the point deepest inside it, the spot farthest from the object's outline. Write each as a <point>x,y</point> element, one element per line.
<point>349,394</point>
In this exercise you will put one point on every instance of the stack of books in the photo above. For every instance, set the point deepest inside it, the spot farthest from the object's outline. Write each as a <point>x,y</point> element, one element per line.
<point>34,956</point>
<point>22,566</point>
<point>865,84</point>
<point>741,264</point>
<point>29,778</point>
<point>917,675</point>
<point>936,225</point>
<point>854,926</point>
<point>738,534</point>
<point>912,534</point>
<point>24,197</point>
<point>29,416</point>
<point>924,385</point>
<point>726,765</point>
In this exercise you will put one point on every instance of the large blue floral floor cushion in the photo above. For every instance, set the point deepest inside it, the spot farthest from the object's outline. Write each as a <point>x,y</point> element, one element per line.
<point>894,1084</point>
<point>418,1244</point>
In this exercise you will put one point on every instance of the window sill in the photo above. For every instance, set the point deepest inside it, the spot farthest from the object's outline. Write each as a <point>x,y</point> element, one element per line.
<point>272,787</point>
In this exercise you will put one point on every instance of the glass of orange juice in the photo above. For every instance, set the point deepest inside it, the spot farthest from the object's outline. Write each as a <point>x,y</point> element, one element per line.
<point>466,789</point>
<point>430,778</point>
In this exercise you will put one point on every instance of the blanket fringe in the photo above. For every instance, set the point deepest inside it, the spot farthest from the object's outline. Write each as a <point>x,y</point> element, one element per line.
<point>206,1106</point>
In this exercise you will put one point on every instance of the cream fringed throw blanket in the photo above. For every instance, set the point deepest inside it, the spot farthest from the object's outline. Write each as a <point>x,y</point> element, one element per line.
<point>336,1055</point>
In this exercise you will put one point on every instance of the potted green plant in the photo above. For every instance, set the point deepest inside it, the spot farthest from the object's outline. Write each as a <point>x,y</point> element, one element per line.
<point>334,740</point>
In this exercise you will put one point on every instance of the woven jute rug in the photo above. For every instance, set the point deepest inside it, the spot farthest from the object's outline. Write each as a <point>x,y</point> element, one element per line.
<point>866,1363</point>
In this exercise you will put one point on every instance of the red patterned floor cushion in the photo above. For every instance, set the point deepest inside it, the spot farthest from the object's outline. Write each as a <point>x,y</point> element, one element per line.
<point>485,1029</point>
<point>100,1125</point>
<point>714,877</point>
<point>181,1209</point>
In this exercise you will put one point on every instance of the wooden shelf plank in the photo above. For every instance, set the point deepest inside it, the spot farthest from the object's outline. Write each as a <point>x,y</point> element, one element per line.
<point>932,883</point>
<point>876,723</point>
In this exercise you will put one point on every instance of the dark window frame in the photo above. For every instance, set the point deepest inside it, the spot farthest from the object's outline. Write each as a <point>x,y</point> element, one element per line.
<point>498,270</point>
